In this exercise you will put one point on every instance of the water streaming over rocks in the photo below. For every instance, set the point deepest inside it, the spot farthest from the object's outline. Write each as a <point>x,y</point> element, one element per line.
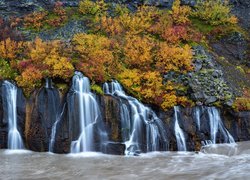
<point>142,130</point>
<point>216,125</point>
<point>14,138</point>
<point>86,116</point>
<point>180,138</point>
<point>54,128</point>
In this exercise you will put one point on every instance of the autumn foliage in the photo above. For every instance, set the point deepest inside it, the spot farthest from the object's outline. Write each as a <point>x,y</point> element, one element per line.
<point>136,47</point>
<point>94,53</point>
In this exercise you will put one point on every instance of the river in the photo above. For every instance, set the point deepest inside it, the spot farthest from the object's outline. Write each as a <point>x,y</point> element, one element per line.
<point>213,162</point>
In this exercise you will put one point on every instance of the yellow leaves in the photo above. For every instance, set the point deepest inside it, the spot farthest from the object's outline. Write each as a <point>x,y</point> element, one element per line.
<point>30,78</point>
<point>38,50</point>
<point>143,84</point>
<point>9,49</point>
<point>169,100</point>
<point>180,13</point>
<point>94,8</point>
<point>95,54</point>
<point>173,58</point>
<point>138,51</point>
<point>59,66</point>
<point>42,59</point>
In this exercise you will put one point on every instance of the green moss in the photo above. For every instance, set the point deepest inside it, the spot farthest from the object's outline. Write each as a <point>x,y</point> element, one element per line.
<point>96,88</point>
<point>62,87</point>
<point>201,25</point>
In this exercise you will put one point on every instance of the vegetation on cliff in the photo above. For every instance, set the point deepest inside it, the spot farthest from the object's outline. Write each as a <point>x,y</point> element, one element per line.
<point>136,47</point>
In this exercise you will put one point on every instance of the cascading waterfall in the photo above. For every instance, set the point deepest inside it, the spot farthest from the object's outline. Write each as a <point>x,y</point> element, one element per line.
<point>14,138</point>
<point>135,118</point>
<point>89,114</point>
<point>180,138</point>
<point>216,125</point>
<point>198,117</point>
<point>54,128</point>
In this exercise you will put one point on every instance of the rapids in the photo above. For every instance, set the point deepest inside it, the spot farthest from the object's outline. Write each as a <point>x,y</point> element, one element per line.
<point>221,161</point>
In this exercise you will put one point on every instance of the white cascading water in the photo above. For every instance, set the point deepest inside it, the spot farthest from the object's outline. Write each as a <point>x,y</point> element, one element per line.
<point>14,138</point>
<point>198,117</point>
<point>134,117</point>
<point>54,128</point>
<point>88,114</point>
<point>216,125</point>
<point>180,138</point>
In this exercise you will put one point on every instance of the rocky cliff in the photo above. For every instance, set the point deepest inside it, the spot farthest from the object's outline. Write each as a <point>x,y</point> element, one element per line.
<point>37,117</point>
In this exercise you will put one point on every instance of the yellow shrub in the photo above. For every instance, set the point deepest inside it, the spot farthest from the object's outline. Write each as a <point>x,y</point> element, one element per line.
<point>94,55</point>
<point>173,58</point>
<point>138,51</point>
<point>180,13</point>
<point>9,49</point>
<point>92,8</point>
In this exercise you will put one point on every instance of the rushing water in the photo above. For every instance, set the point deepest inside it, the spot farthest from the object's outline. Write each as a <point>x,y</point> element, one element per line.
<point>180,138</point>
<point>53,131</point>
<point>216,125</point>
<point>213,163</point>
<point>135,118</point>
<point>88,118</point>
<point>14,137</point>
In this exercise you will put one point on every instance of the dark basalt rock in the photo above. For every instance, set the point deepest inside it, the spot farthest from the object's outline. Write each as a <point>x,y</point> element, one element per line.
<point>111,116</point>
<point>22,7</point>
<point>233,48</point>
<point>41,115</point>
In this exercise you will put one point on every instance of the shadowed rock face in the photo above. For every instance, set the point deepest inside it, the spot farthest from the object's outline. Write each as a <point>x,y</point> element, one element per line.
<point>21,7</point>
<point>44,106</point>
<point>42,110</point>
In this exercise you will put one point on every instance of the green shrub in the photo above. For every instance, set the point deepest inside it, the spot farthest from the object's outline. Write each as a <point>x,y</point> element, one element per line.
<point>6,72</point>
<point>88,7</point>
<point>214,12</point>
<point>97,89</point>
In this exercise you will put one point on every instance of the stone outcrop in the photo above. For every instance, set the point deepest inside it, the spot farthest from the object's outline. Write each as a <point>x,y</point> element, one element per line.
<point>45,106</point>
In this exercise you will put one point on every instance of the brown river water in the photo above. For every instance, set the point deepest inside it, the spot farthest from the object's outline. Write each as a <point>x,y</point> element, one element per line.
<point>213,162</point>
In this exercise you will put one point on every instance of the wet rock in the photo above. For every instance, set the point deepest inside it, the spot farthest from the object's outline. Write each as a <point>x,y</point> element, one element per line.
<point>210,99</point>
<point>111,116</point>
<point>42,110</point>
<point>114,148</point>
<point>207,84</point>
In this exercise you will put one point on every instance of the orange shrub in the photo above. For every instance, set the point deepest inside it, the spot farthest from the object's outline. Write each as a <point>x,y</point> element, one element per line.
<point>10,49</point>
<point>138,51</point>
<point>94,55</point>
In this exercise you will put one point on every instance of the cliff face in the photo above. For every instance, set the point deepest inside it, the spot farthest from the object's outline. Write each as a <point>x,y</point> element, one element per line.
<point>214,79</point>
<point>37,117</point>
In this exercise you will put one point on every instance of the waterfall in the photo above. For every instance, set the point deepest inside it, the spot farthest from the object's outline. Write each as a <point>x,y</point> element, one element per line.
<point>216,125</point>
<point>88,115</point>
<point>180,138</point>
<point>53,132</point>
<point>48,83</point>
<point>14,137</point>
<point>140,125</point>
<point>198,117</point>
